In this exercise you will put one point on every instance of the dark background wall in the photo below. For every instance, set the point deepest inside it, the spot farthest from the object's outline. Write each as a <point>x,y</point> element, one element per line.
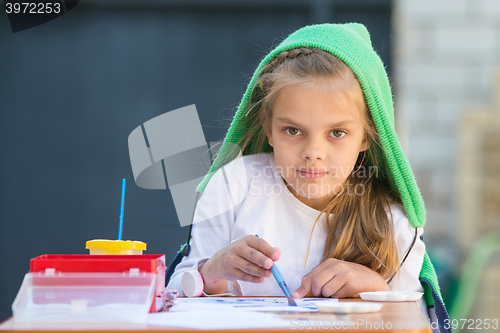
<point>73,89</point>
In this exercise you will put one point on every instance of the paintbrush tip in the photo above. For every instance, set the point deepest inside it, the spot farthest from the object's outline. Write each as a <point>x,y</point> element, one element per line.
<point>291,301</point>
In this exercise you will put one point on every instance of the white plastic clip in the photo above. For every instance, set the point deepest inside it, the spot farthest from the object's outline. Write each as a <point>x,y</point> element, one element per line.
<point>50,272</point>
<point>134,272</point>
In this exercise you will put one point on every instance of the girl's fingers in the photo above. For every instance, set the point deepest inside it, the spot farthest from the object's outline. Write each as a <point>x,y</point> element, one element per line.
<point>318,269</point>
<point>343,292</point>
<point>305,286</point>
<point>333,287</point>
<point>250,259</point>
<point>340,279</point>
<point>314,281</point>
<point>300,292</point>
<point>240,275</point>
<point>247,269</point>
<point>243,276</point>
<point>263,247</point>
<point>256,257</point>
<point>320,279</point>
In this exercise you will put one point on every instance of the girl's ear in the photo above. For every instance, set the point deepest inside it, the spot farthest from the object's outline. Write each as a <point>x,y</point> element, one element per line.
<point>266,129</point>
<point>365,144</point>
<point>270,139</point>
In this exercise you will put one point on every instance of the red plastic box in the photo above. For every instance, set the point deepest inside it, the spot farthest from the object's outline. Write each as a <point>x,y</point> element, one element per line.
<point>80,263</point>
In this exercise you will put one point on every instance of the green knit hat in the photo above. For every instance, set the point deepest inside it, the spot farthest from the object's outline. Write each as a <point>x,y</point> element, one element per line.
<point>351,43</point>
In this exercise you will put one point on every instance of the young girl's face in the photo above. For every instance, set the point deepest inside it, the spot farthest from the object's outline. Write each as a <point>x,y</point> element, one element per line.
<point>317,134</point>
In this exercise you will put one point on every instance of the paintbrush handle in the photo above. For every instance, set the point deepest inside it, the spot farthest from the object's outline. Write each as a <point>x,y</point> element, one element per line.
<point>280,280</point>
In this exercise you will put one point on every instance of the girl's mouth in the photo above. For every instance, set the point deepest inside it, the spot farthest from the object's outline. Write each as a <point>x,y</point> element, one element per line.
<point>311,175</point>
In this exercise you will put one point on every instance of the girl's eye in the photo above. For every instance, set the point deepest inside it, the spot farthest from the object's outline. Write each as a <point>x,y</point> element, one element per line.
<point>337,133</point>
<point>292,131</point>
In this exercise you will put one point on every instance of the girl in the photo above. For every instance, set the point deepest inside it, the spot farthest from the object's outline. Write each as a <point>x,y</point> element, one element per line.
<point>322,180</point>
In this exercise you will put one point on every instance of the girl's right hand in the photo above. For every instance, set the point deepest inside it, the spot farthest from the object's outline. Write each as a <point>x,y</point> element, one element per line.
<point>250,259</point>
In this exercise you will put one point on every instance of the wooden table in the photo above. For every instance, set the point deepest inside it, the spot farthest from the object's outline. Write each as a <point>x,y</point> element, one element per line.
<point>404,317</point>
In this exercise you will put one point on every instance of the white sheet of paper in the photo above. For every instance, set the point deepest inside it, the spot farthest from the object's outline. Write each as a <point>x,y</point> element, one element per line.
<point>245,304</point>
<point>231,312</point>
<point>210,320</point>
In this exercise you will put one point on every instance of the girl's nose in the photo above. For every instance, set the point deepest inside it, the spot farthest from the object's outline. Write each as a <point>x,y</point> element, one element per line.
<point>314,150</point>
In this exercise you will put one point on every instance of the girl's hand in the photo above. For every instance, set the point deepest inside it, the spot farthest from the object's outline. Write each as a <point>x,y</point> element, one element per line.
<point>247,259</point>
<point>340,279</point>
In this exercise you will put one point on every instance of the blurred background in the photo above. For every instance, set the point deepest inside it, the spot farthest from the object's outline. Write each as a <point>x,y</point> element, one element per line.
<point>72,90</point>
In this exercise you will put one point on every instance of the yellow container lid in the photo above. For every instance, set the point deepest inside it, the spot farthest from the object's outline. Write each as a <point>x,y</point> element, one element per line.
<point>115,244</point>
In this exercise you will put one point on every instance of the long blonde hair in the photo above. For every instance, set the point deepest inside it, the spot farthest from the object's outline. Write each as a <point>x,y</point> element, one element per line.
<point>358,227</point>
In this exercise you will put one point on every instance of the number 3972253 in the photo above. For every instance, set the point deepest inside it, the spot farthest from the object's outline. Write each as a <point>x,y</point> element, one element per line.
<point>33,8</point>
<point>470,324</point>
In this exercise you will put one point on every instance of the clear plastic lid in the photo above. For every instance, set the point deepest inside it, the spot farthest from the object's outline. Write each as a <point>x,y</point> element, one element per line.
<point>84,297</point>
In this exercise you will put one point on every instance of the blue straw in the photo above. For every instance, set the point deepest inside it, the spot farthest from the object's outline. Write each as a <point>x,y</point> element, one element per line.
<point>120,228</point>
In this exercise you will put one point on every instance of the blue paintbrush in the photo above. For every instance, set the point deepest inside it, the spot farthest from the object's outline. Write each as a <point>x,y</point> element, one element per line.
<point>281,282</point>
<point>122,206</point>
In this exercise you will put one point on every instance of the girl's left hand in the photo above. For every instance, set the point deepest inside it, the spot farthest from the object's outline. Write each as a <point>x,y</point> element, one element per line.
<point>340,279</point>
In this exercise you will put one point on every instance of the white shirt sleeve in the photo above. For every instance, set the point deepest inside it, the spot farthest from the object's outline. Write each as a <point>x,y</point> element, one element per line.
<point>408,277</point>
<point>214,218</point>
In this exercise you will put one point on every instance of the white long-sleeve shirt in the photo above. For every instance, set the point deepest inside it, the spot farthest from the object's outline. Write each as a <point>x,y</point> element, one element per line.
<point>247,197</point>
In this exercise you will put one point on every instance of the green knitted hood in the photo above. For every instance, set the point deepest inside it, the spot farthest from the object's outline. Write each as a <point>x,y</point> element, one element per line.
<point>350,43</point>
